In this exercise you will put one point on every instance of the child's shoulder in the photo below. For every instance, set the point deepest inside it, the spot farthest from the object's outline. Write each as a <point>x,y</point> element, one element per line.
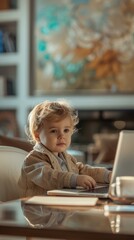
<point>36,156</point>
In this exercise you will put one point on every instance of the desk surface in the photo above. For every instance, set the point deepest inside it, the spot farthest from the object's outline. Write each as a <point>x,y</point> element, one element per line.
<point>20,219</point>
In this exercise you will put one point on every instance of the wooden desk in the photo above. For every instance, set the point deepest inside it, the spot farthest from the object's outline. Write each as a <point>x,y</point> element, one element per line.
<point>20,219</point>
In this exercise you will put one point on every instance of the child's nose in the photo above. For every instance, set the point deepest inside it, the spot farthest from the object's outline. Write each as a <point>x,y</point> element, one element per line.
<point>60,134</point>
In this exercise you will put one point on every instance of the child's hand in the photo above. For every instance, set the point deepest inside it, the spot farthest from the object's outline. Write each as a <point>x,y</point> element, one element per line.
<point>80,165</point>
<point>85,181</point>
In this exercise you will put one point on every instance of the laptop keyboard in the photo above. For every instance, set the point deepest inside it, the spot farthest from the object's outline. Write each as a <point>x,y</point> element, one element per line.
<point>97,190</point>
<point>100,190</point>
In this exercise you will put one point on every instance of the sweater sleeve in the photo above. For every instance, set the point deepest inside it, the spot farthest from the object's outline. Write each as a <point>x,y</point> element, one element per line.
<point>100,174</point>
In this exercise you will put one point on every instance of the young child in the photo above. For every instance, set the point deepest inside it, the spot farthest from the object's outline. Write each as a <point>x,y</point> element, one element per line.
<point>48,166</point>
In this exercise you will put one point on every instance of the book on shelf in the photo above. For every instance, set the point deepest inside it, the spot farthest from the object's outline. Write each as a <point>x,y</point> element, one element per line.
<point>2,86</point>
<point>1,42</point>
<point>9,42</point>
<point>4,4</point>
<point>7,86</point>
<point>10,87</point>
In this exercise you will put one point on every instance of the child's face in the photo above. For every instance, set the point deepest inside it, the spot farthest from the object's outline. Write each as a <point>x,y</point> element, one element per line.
<point>56,136</point>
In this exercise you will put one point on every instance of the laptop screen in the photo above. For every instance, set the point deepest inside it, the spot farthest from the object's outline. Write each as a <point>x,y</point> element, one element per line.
<point>124,158</point>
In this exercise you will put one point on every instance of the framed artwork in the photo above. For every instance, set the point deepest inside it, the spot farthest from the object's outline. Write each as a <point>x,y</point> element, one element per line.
<point>83,46</point>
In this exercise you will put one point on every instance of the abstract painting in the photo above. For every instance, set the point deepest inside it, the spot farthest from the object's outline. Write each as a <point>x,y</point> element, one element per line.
<point>83,46</point>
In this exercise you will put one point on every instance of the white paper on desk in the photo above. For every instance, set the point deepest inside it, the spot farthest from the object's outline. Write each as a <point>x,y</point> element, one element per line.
<point>63,201</point>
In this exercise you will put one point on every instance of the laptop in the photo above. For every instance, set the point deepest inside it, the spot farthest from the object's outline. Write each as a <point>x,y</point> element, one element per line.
<point>123,166</point>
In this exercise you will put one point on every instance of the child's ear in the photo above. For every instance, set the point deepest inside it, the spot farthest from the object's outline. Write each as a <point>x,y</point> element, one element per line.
<point>36,134</point>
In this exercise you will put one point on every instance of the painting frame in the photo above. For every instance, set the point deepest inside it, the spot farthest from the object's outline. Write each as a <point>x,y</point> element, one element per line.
<point>109,71</point>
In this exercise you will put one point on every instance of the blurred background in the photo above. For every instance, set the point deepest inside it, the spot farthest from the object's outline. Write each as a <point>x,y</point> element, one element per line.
<point>80,50</point>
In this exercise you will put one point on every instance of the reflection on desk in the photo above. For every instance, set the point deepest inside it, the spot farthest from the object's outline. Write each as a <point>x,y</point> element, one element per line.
<point>91,220</point>
<point>122,223</point>
<point>21,219</point>
<point>40,216</point>
<point>11,214</point>
<point>121,218</point>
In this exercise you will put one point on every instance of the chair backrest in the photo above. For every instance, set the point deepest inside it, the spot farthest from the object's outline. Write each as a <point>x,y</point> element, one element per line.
<point>11,160</point>
<point>16,142</point>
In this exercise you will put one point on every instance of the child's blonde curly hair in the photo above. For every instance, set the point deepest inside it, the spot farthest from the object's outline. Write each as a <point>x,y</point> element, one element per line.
<point>49,110</point>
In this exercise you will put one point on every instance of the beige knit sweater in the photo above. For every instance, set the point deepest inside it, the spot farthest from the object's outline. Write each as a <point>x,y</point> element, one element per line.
<point>42,172</point>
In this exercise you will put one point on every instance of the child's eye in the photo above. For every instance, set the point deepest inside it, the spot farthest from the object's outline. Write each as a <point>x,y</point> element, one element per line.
<point>66,130</point>
<point>53,131</point>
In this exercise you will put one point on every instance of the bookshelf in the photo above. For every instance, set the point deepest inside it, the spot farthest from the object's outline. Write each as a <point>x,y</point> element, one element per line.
<point>14,59</point>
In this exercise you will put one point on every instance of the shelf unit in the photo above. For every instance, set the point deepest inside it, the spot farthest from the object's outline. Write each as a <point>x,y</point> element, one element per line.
<point>17,61</point>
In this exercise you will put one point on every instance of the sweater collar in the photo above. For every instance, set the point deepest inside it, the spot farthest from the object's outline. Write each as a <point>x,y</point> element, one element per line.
<point>39,147</point>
